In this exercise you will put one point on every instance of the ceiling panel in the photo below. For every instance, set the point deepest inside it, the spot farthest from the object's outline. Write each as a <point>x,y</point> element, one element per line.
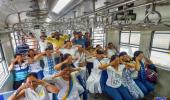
<point>12,6</point>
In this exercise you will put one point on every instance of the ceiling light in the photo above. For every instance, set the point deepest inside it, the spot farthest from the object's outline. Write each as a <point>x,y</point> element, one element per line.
<point>48,20</point>
<point>60,5</point>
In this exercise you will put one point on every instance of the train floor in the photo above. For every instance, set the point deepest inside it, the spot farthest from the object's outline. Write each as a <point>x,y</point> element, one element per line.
<point>105,97</point>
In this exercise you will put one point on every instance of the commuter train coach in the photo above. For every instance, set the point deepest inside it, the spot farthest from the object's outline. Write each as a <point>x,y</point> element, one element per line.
<point>84,50</point>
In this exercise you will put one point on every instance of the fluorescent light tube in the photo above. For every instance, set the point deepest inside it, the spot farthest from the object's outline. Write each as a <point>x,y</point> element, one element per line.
<point>48,20</point>
<point>60,5</point>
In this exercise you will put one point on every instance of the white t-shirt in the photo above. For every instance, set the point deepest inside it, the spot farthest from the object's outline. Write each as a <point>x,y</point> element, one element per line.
<point>134,73</point>
<point>96,72</point>
<point>115,76</point>
<point>111,52</point>
<point>63,86</point>
<point>81,58</point>
<point>35,66</point>
<point>40,93</point>
<point>43,46</point>
<point>32,43</point>
<point>93,81</point>
<point>71,51</point>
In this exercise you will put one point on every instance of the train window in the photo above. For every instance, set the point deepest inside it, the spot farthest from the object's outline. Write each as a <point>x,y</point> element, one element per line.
<point>125,37</point>
<point>129,41</point>
<point>13,39</point>
<point>160,48</point>
<point>3,67</point>
<point>129,49</point>
<point>99,37</point>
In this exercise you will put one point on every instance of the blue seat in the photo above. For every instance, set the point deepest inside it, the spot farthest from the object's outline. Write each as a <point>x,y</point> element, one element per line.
<point>5,95</point>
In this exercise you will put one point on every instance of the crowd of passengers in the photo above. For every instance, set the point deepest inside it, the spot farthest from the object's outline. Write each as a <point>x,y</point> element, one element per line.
<point>70,69</point>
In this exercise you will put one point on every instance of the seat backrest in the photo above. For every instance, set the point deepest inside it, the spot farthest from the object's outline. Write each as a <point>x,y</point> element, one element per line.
<point>103,79</point>
<point>5,95</point>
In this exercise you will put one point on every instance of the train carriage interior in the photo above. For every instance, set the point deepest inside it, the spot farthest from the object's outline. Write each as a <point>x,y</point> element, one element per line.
<point>37,37</point>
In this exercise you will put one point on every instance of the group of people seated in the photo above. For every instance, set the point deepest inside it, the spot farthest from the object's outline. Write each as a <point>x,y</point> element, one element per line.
<point>63,69</point>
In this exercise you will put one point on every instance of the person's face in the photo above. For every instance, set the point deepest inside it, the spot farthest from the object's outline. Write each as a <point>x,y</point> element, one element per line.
<point>43,33</point>
<point>86,34</point>
<point>53,35</point>
<point>80,35</point>
<point>76,36</point>
<point>48,52</point>
<point>110,45</point>
<point>98,47</point>
<point>20,58</point>
<point>31,35</point>
<point>32,82</point>
<point>125,58</point>
<point>23,41</point>
<point>141,56</point>
<point>31,52</point>
<point>67,72</point>
<point>57,36</point>
<point>69,44</point>
<point>43,38</point>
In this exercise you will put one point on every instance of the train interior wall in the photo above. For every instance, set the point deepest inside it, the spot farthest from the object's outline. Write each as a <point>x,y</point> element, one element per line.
<point>8,52</point>
<point>162,88</point>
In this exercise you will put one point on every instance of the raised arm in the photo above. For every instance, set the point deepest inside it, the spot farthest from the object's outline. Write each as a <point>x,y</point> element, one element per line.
<point>50,39</point>
<point>19,93</point>
<point>38,56</point>
<point>58,66</point>
<point>104,66</point>
<point>135,65</point>
<point>65,36</point>
<point>58,74</point>
<point>17,96</point>
<point>11,66</point>
<point>77,71</point>
<point>51,88</point>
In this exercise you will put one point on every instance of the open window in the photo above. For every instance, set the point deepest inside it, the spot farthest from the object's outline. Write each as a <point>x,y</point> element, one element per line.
<point>3,67</point>
<point>129,41</point>
<point>161,48</point>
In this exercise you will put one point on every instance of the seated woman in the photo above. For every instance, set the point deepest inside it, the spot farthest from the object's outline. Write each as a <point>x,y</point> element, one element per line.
<point>34,89</point>
<point>67,59</point>
<point>81,55</point>
<point>66,80</point>
<point>50,59</point>
<point>111,50</point>
<point>151,71</point>
<point>126,77</point>
<point>93,81</point>
<point>141,80</point>
<point>34,64</point>
<point>111,80</point>
<point>19,67</point>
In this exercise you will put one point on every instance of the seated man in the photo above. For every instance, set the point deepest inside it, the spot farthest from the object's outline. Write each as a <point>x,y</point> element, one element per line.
<point>34,89</point>
<point>22,48</point>
<point>57,39</point>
